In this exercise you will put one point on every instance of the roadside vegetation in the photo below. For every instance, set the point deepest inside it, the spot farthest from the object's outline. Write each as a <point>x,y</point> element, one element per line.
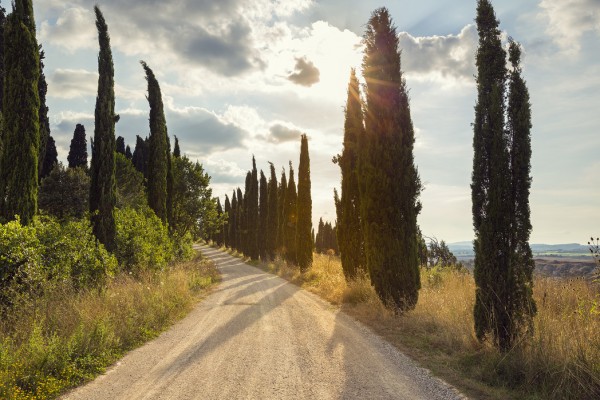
<point>560,361</point>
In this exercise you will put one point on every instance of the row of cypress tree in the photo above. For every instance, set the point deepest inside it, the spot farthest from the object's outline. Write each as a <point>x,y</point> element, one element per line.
<point>271,218</point>
<point>377,210</point>
<point>378,207</point>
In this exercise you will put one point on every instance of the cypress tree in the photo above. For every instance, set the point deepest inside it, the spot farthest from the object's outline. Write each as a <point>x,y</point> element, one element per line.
<point>176,149</point>
<point>159,151</point>
<point>21,106</point>
<point>246,215</point>
<point>233,221</point>
<point>281,212</point>
<point>240,220</point>
<point>78,151</point>
<point>291,219</point>
<point>349,234</point>
<point>263,216</point>
<point>252,216</point>
<point>102,171</point>
<point>490,188</point>
<point>2,23</point>
<point>120,145</point>
<point>128,154</point>
<point>319,243</point>
<point>44,123</point>
<point>273,215</point>
<point>226,231</point>
<point>304,255</point>
<point>519,131</point>
<point>140,155</point>
<point>219,233</point>
<point>50,158</point>
<point>389,182</point>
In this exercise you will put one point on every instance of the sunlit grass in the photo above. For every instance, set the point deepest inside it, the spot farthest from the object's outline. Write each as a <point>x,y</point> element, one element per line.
<point>68,337</point>
<point>560,361</point>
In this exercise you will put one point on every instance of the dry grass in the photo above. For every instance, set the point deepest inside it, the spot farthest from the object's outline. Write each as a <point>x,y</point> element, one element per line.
<point>560,361</point>
<point>68,337</point>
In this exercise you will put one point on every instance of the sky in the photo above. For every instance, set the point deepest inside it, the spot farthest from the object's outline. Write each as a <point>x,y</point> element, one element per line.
<point>242,78</point>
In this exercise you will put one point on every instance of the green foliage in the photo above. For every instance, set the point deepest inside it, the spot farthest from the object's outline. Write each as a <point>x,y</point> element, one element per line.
<point>388,179</point>
<point>64,193</point>
<point>176,149</point>
<point>102,171</point>
<point>159,151</point>
<point>37,257</point>
<point>500,191</point>
<point>120,145</point>
<point>281,192</point>
<point>326,239</point>
<point>78,151</point>
<point>304,246</point>
<point>439,255</point>
<point>130,184</point>
<point>194,209</point>
<point>263,213</point>
<point>349,236</point>
<point>50,158</point>
<point>21,125</point>
<point>47,150</point>
<point>142,240</point>
<point>290,219</point>
<point>272,215</point>
<point>232,222</point>
<point>250,217</point>
<point>141,154</point>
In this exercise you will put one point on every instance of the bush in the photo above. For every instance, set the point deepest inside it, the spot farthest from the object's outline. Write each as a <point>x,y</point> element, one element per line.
<point>143,241</point>
<point>65,192</point>
<point>35,258</point>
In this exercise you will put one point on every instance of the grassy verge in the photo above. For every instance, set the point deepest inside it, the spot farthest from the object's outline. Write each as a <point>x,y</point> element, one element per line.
<point>66,338</point>
<point>560,361</point>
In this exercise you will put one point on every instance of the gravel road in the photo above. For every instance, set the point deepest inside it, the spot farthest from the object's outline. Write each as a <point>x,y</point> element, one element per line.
<point>259,337</point>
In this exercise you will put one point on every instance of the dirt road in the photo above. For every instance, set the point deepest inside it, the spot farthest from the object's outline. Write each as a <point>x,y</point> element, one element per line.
<point>259,337</point>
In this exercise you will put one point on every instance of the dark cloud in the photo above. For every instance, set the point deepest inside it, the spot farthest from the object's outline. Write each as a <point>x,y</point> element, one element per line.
<point>305,74</point>
<point>281,133</point>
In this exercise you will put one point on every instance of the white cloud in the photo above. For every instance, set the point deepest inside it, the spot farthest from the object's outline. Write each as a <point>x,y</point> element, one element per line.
<point>450,57</point>
<point>72,83</point>
<point>568,20</point>
<point>74,29</point>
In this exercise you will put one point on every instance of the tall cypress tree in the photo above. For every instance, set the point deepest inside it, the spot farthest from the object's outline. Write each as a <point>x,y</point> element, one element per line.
<point>349,236</point>
<point>44,123</point>
<point>389,182</point>
<point>233,222</point>
<point>21,125</point>
<point>140,155</point>
<point>251,202</point>
<point>226,231</point>
<point>263,217</point>
<point>241,223</point>
<point>176,149</point>
<point>128,153</point>
<point>120,145</point>
<point>50,158</point>
<point>219,238</point>
<point>291,218</point>
<point>78,151</point>
<point>281,218</point>
<point>519,131</point>
<point>490,188</point>
<point>102,171</point>
<point>304,248</point>
<point>159,157</point>
<point>273,215</point>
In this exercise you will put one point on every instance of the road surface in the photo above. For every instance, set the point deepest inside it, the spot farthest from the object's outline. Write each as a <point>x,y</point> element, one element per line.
<point>259,337</point>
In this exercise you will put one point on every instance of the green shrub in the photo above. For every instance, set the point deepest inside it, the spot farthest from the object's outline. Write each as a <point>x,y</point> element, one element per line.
<point>143,241</point>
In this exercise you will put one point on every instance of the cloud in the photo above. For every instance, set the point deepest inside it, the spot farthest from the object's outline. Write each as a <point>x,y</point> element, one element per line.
<point>568,20</point>
<point>306,74</point>
<point>215,35</point>
<point>281,133</point>
<point>72,83</point>
<point>74,29</point>
<point>451,56</point>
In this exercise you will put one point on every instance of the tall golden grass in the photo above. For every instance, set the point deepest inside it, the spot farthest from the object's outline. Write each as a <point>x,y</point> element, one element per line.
<point>560,361</point>
<point>68,337</point>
